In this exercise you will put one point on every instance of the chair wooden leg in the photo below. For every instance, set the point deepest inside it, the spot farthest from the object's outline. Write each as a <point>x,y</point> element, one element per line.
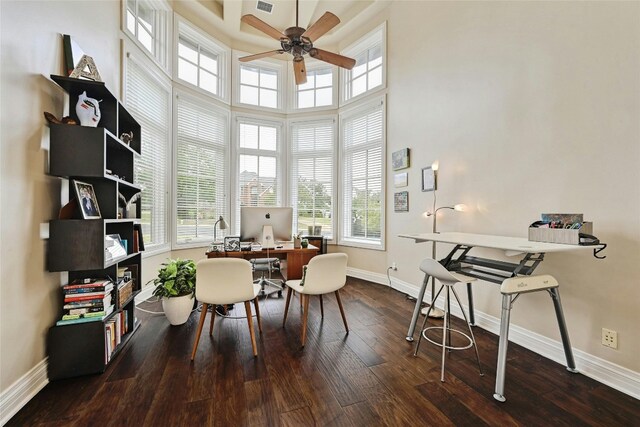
<point>247,307</point>
<point>203,314</point>
<point>286,306</point>
<point>213,318</point>
<point>344,319</point>
<point>305,315</point>
<point>321,307</point>
<point>255,304</point>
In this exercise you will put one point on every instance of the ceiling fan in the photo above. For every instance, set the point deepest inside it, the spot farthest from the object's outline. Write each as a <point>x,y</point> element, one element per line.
<point>299,42</point>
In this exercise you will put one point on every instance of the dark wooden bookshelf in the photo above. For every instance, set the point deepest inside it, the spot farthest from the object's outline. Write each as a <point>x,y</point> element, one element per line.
<point>96,156</point>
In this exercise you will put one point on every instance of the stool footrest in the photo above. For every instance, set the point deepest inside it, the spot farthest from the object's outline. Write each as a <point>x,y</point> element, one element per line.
<point>444,331</point>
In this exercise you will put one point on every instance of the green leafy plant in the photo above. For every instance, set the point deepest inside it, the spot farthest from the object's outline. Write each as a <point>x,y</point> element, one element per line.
<point>176,278</point>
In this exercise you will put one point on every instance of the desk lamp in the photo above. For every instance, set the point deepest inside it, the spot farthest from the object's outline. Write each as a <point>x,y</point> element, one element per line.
<point>223,226</point>
<point>436,312</point>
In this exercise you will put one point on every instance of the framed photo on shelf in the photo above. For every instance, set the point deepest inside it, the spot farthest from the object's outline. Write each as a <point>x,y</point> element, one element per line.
<point>87,200</point>
<point>401,201</point>
<point>400,159</point>
<point>428,179</point>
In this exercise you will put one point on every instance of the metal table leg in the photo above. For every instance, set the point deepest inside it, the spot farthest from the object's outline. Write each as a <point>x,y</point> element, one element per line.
<point>502,348</point>
<point>416,310</point>
<point>568,352</point>
<point>472,317</point>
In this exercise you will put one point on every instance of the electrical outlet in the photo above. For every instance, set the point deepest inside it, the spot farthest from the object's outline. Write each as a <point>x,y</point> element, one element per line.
<point>394,266</point>
<point>609,338</point>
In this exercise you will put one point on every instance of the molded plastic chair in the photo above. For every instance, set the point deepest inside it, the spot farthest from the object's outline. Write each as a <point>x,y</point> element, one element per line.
<point>447,279</point>
<point>324,274</point>
<point>267,266</point>
<point>222,281</point>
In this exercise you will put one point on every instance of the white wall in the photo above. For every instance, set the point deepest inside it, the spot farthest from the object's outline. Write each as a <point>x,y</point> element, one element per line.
<point>530,107</point>
<point>32,50</point>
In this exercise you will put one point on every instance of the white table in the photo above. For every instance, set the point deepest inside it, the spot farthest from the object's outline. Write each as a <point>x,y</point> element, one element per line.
<point>530,255</point>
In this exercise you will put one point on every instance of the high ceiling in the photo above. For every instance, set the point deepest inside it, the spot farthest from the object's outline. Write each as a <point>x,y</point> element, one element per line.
<point>225,16</point>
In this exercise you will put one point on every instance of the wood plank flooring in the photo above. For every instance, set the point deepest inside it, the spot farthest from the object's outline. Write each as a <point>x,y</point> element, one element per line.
<point>366,378</point>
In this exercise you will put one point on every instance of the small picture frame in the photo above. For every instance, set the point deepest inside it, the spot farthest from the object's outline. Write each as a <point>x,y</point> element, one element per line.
<point>428,179</point>
<point>87,200</point>
<point>401,201</point>
<point>401,180</point>
<point>400,159</point>
<point>232,244</point>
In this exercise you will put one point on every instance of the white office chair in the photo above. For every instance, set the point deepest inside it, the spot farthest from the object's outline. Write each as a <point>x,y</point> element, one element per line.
<point>447,279</point>
<point>324,274</point>
<point>221,281</point>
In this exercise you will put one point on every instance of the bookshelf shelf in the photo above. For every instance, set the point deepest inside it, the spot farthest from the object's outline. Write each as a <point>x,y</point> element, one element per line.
<point>96,156</point>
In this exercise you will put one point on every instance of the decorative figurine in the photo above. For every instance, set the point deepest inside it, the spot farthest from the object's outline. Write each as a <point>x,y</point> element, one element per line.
<point>88,110</point>
<point>66,120</point>
<point>127,137</point>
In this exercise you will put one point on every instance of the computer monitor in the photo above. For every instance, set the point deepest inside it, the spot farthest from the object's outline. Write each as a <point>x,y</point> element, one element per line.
<point>254,219</point>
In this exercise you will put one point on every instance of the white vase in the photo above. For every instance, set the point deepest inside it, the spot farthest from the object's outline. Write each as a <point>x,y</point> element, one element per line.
<point>177,309</point>
<point>88,110</point>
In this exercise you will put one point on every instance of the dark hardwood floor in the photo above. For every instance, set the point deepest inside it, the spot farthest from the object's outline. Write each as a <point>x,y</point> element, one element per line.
<point>366,378</point>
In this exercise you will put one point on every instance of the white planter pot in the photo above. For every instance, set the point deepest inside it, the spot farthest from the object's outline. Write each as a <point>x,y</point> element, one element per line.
<point>177,309</point>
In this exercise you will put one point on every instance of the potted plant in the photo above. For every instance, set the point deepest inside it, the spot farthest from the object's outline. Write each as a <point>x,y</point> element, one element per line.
<point>176,284</point>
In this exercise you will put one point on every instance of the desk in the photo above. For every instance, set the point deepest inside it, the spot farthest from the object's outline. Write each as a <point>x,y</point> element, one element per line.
<point>530,255</point>
<point>295,258</point>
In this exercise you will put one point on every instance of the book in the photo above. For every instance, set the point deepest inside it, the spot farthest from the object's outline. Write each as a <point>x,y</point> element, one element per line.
<point>89,288</point>
<point>85,319</point>
<point>85,310</point>
<point>86,297</point>
<point>100,302</point>
<point>80,284</point>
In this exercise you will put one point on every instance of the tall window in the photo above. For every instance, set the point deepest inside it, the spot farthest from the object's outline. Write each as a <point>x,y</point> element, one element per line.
<point>201,62</point>
<point>147,22</point>
<point>259,86</point>
<point>362,155</point>
<point>369,71</point>
<point>312,169</point>
<point>259,176</point>
<point>202,171</point>
<point>317,91</point>
<point>148,98</point>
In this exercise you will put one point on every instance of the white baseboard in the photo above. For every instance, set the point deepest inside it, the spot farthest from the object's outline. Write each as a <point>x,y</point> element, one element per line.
<point>22,391</point>
<point>603,371</point>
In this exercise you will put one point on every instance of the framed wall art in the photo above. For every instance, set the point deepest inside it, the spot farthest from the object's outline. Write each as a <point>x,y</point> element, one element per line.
<point>401,180</point>
<point>428,179</point>
<point>400,159</point>
<point>401,201</point>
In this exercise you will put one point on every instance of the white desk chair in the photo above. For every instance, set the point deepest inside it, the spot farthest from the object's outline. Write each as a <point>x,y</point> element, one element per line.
<point>324,274</point>
<point>221,281</point>
<point>447,279</point>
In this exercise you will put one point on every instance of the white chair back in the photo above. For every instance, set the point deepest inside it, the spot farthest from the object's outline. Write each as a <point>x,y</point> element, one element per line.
<point>224,281</point>
<point>434,269</point>
<point>325,273</point>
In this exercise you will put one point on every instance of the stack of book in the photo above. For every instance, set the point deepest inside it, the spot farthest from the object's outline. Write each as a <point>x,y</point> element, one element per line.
<point>115,329</point>
<point>86,302</point>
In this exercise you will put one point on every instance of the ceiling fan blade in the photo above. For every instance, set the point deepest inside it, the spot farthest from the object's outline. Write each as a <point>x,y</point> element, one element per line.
<point>321,26</point>
<point>261,55</point>
<point>262,26</point>
<point>300,71</point>
<point>333,58</point>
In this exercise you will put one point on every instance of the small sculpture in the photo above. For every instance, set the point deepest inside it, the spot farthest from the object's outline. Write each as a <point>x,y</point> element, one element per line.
<point>88,110</point>
<point>127,137</point>
<point>66,120</point>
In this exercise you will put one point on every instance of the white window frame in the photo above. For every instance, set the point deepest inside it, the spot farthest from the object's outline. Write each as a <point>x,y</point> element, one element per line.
<point>236,151</point>
<point>279,66</point>
<point>313,65</point>
<point>370,40</point>
<point>183,27</point>
<point>334,172</point>
<point>132,52</point>
<point>345,115</point>
<point>197,98</point>
<point>162,32</point>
